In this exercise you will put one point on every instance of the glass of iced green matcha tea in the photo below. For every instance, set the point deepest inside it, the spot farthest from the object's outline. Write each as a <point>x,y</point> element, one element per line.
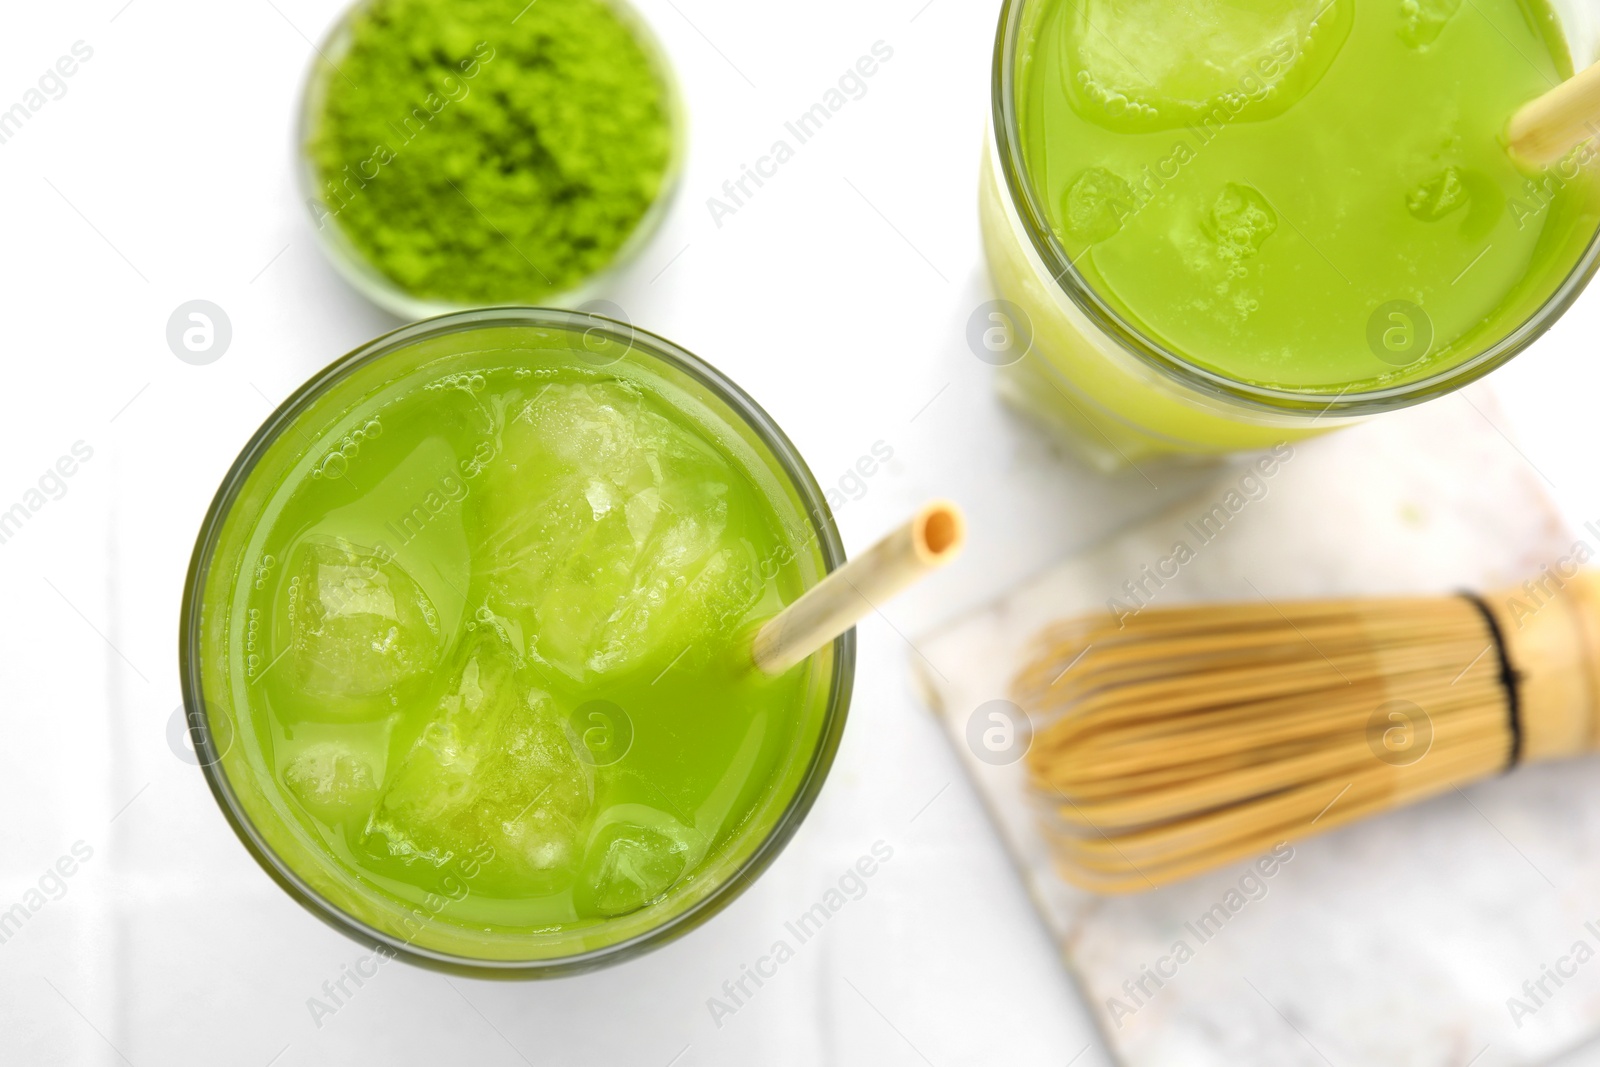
<point>466,642</point>
<point>1220,224</point>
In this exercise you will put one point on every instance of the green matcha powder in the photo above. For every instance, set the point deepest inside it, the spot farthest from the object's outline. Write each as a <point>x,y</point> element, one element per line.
<point>490,151</point>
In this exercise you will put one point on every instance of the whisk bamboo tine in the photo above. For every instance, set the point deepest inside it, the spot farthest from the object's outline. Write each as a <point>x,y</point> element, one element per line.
<point>1293,815</point>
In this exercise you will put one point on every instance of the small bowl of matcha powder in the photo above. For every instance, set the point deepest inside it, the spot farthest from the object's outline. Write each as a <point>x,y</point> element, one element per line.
<point>464,153</point>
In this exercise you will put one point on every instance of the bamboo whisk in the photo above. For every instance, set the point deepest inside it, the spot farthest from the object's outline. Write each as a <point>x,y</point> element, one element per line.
<point>1191,737</point>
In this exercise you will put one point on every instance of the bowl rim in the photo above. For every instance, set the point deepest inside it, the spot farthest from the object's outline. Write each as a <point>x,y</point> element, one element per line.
<point>204,739</point>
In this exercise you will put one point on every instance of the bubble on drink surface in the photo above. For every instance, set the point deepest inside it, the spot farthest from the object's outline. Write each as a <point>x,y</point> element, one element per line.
<point>361,633</point>
<point>493,767</point>
<point>1421,21</point>
<point>332,780</point>
<point>1128,68</point>
<point>635,859</point>
<point>1096,203</point>
<point>603,531</point>
<point>1240,221</point>
<point>1440,195</point>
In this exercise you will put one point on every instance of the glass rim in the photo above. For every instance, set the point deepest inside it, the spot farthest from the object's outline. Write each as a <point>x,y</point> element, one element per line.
<point>357,271</point>
<point>793,467</point>
<point>1068,281</point>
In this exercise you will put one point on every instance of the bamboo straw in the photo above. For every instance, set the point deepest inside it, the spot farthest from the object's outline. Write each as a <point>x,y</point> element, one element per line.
<point>1191,737</point>
<point>1547,128</point>
<point>932,538</point>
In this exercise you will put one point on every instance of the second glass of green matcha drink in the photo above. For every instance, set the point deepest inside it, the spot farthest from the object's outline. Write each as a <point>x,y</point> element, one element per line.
<point>1220,225</point>
<point>467,642</point>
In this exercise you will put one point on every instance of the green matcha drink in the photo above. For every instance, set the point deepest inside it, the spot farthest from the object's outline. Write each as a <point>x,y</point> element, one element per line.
<point>1257,209</point>
<point>470,623</point>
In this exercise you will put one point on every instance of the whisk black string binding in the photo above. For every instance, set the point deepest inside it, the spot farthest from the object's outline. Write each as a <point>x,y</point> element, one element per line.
<point>1509,679</point>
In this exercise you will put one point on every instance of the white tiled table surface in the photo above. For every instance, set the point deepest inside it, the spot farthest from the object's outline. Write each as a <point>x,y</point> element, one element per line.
<point>838,296</point>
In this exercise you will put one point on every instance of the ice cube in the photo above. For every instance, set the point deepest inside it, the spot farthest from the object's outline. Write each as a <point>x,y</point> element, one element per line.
<point>635,858</point>
<point>412,517</point>
<point>333,781</point>
<point>1438,196</point>
<point>360,634</point>
<point>1421,21</point>
<point>1096,203</point>
<point>602,527</point>
<point>1160,64</point>
<point>691,590</point>
<point>1240,221</point>
<point>493,767</point>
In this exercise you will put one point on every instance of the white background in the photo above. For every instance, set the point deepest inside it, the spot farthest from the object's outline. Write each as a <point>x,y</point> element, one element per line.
<point>838,297</point>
